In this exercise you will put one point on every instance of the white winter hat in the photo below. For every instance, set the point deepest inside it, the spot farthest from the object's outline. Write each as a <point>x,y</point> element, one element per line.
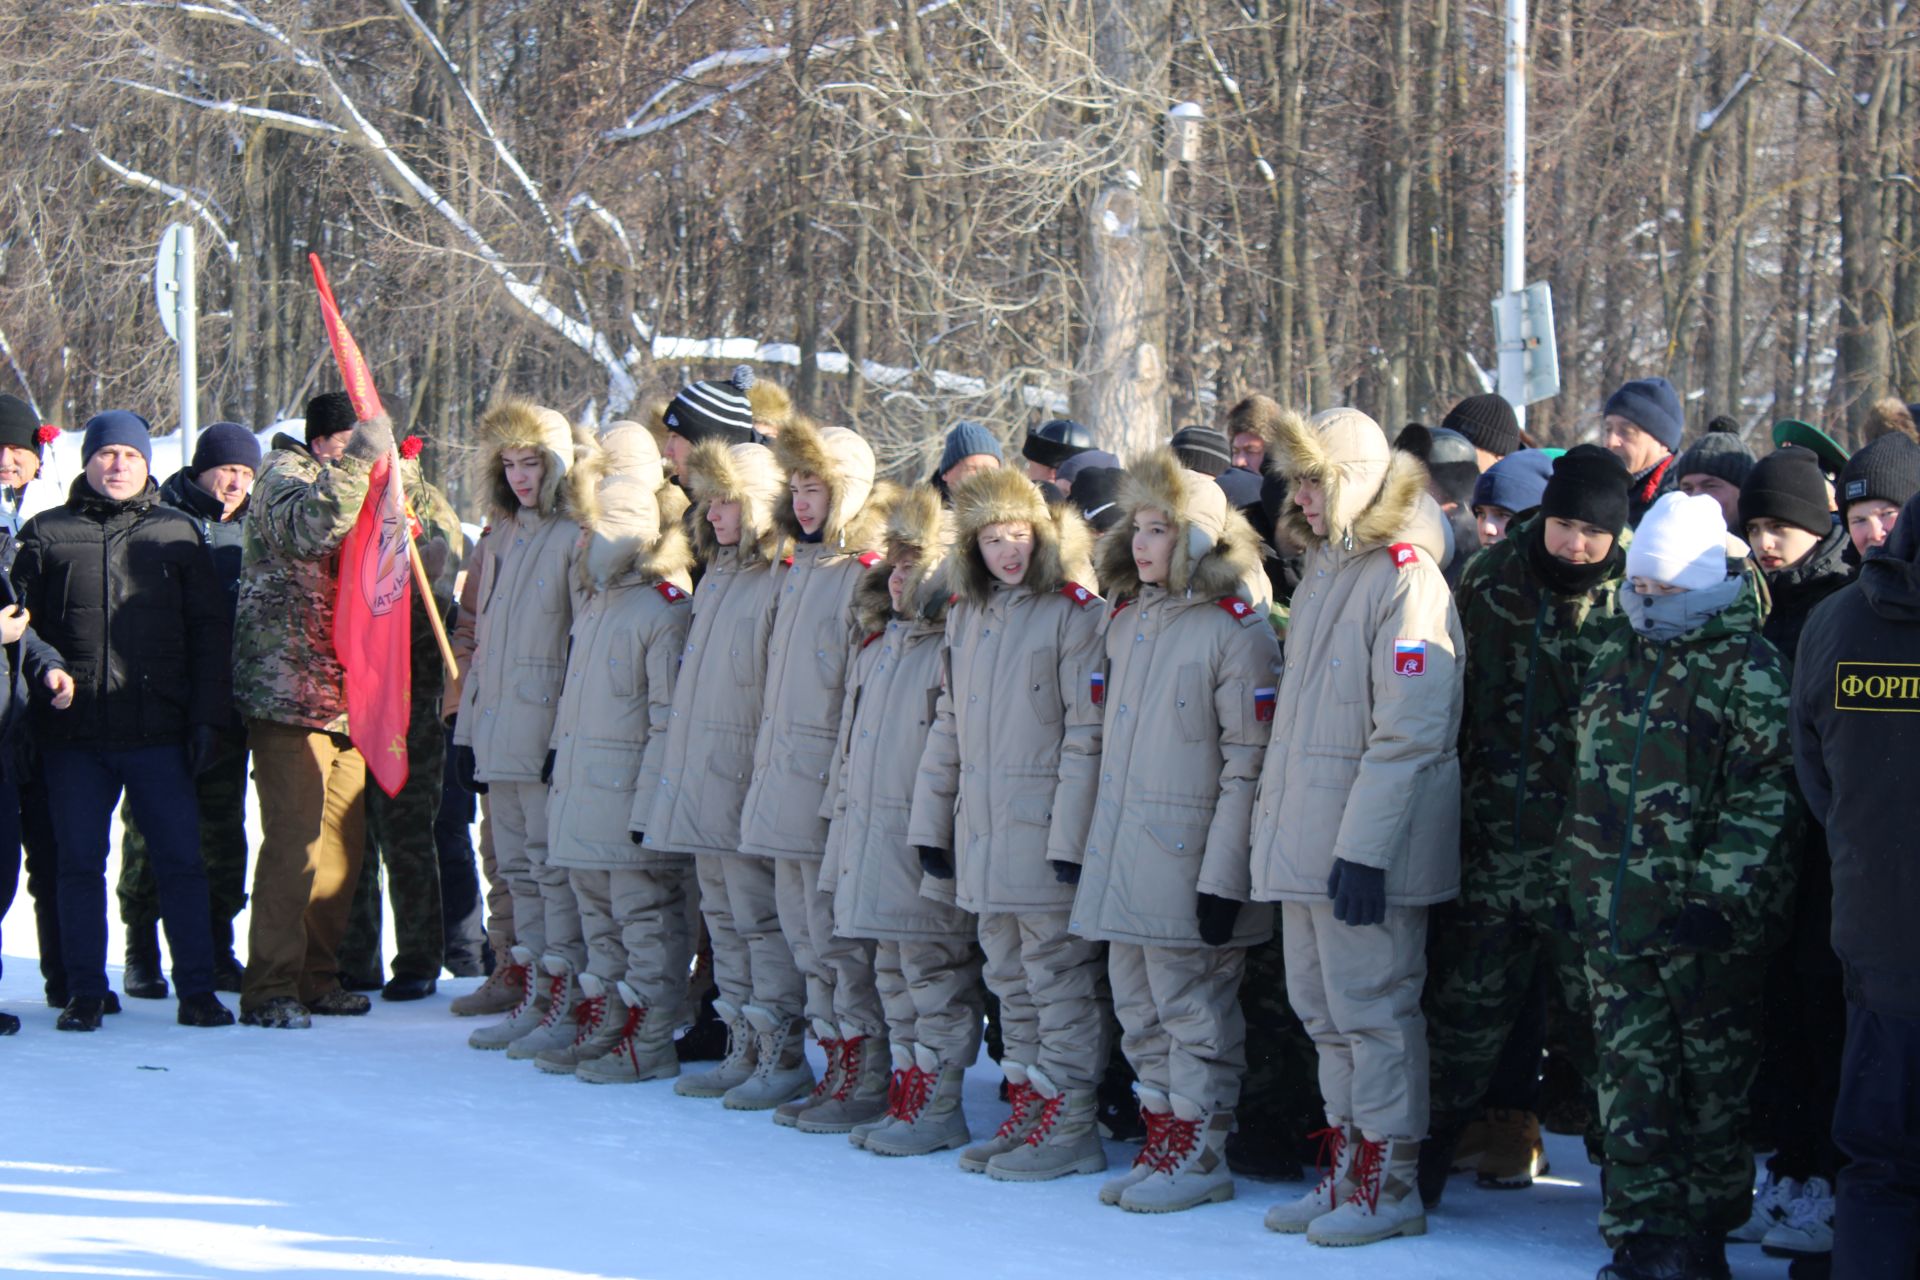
<point>1681,541</point>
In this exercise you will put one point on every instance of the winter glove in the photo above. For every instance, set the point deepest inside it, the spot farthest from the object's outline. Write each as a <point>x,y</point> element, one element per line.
<point>203,743</point>
<point>638,837</point>
<point>1065,872</point>
<point>463,769</point>
<point>546,767</point>
<point>1359,893</point>
<point>1701,928</point>
<point>1217,916</point>
<point>937,863</point>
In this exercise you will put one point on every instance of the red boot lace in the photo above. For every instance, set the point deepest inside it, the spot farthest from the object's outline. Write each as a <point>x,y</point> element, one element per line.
<point>1333,1145</point>
<point>528,993</point>
<point>1156,1122</point>
<point>849,1066</point>
<point>827,1084</point>
<point>916,1087</point>
<point>1177,1139</point>
<point>588,1015</point>
<point>1049,1112</point>
<point>629,1046</point>
<point>1019,1096</point>
<point>1368,1167</point>
<point>556,999</point>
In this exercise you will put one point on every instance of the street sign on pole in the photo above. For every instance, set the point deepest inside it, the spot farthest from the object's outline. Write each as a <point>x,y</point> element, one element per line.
<point>176,298</point>
<point>1513,257</point>
<point>166,281</point>
<point>1523,330</point>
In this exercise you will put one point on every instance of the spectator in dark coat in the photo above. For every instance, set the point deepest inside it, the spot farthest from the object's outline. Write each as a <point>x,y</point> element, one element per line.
<point>26,663</point>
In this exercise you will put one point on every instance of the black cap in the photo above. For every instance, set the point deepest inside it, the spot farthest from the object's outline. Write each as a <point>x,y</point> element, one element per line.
<point>1787,485</point>
<point>1887,469</point>
<point>1055,440</point>
<point>330,413</point>
<point>1202,449</point>
<point>19,424</point>
<point>1590,485</point>
<point>1096,492</point>
<point>1486,420</point>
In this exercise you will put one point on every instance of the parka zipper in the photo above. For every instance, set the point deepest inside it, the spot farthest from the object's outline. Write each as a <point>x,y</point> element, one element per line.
<point>1633,800</point>
<point>1526,722</point>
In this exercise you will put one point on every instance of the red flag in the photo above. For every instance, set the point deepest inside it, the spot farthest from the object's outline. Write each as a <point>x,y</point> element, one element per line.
<point>373,610</point>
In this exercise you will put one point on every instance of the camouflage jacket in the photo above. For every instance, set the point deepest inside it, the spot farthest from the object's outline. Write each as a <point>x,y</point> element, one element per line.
<point>1682,787</point>
<point>1528,650</point>
<point>299,513</point>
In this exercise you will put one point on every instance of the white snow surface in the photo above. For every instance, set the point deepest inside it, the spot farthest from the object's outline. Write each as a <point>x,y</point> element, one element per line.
<point>385,1146</point>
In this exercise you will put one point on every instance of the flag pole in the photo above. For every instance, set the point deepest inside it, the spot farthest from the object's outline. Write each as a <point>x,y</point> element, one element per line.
<point>433,608</point>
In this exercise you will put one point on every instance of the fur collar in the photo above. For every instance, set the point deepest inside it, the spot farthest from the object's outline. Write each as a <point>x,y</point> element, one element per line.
<point>1384,516</point>
<point>1224,571</point>
<point>1062,542</point>
<point>567,487</point>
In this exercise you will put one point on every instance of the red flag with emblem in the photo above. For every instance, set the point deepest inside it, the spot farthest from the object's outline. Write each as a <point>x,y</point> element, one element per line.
<point>373,610</point>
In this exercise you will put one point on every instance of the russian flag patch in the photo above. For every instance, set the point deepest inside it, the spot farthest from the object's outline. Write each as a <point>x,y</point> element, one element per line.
<point>1263,705</point>
<point>1409,657</point>
<point>1097,688</point>
<point>1404,554</point>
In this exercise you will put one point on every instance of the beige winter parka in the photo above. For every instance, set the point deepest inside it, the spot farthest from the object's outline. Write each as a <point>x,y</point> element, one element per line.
<point>708,762</point>
<point>871,868</point>
<point>611,731</point>
<point>1191,667</point>
<point>1007,781</point>
<point>527,594</point>
<point>814,634</point>
<point>1363,765</point>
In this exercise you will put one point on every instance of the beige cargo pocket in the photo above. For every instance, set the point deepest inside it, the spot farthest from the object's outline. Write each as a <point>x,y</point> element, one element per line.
<point>1192,708</point>
<point>1043,686</point>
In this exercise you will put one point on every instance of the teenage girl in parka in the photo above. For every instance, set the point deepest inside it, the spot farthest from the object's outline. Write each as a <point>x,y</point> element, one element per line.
<point>1191,664</point>
<point>1003,802</point>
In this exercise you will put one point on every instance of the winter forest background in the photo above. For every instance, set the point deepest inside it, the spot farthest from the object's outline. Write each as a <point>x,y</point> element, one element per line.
<point>914,210</point>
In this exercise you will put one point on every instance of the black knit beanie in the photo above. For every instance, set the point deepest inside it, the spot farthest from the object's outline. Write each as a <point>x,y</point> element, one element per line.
<point>714,410</point>
<point>328,414</point>
<point>1590,485</point>
<point>19,424</point>
<point>1487,420</point>
<point>1887,469</point>
<point>1787,485</point>
<point>1201,449</point>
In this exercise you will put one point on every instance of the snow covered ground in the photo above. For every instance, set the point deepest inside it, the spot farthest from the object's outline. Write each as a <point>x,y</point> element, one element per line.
<point>384,1146</point>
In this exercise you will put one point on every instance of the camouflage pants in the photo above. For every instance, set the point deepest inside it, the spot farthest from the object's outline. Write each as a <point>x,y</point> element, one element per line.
<point>400,836</point>
<point>1280,1094</point>
<point>1480,966</point>
<point>1678,1043</point>
<point>222,792</point>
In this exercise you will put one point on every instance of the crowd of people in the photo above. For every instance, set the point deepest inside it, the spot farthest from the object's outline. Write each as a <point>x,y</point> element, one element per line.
<point>1285,793</point>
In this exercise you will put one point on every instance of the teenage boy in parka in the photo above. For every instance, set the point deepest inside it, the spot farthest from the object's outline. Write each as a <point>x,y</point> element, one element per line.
<point>1680,883</point>
<point>926,962</point>
<point>608,739</point>
<point>539,490</point>
<point>831,517</point>
<point>1003,802</point>
<point>1357,828</point>
<point>1189,693</point>
<point>1534,607</point>
<point>708,765</point>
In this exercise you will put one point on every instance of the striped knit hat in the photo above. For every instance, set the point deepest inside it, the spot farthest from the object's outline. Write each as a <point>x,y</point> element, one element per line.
<point>714,410</point>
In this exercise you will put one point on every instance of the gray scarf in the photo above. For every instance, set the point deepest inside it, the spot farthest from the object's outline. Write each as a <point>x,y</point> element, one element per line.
<point>1661,618</point>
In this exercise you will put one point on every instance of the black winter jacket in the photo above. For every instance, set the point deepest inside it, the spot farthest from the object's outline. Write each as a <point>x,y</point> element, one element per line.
<point>1856,734</point>
<point>225,538</point>
<point>1798,589</point>
<point>126,592</point>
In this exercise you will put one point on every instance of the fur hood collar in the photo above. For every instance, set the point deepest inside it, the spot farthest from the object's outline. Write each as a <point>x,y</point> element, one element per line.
<point>632,536</point>
<point>845,461</point>
<point>567,487</point>
<point>1375,494</point>
<point>918,526</point>
<point>1216,553</point>
<point>1062,542</point>
<point>744,473</point>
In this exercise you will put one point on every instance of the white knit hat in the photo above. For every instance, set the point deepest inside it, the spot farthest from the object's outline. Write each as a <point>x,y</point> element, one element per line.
<point>1681,541</point>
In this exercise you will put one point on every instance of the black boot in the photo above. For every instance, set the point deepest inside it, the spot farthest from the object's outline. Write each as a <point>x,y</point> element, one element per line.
<point>409,988</point>
<point>9,1025</point>
<point>228,973</point>
<point>1649,1258</point>
<point>81,1014</point>
<point>706,1039</point>
<point>144,979</point>
<point>1436,1163</point>
<point>1707,1258</point>
<point>203,1010</point>
<point>1257,1150</point>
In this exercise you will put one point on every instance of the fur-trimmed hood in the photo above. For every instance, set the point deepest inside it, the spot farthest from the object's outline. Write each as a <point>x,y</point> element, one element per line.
<point>845,461</point>
<point>1062,542</point>
<point>1375,494</point>
<point>1216,552</point>
<point>567,487</point>
<point>744,473</point>
<point>918,526</point>
<point>631,537</point>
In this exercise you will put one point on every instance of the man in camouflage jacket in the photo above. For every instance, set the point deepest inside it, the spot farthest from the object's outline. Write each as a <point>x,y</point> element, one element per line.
<point>1533,622</point>
<point>289,685</point>
<point>1678,881</point>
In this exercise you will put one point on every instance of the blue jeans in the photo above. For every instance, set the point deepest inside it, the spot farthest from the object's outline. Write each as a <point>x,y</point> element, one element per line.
<point>83,789</point>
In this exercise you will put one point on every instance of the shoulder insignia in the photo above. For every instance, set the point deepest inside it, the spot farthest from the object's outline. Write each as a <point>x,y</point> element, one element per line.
<point>1404,554</point>
<point>670,593</point>
<point>786,562</point>
<point>1078,594</point>
<point>1238,608</point>
<point>869,558</point>
<point>872,637</point>
<point>954,598</point>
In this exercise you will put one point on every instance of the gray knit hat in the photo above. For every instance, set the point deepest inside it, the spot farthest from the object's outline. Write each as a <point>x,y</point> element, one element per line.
<point>1717,453</point>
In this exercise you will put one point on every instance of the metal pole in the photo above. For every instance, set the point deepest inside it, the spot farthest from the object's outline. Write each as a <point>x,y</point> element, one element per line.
<point>189,306</point>
<point>1513,267</point>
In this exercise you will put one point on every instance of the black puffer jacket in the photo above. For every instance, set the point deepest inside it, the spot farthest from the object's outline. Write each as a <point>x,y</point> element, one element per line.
<point>126,593</point>
<point>1796,589</point>
<point>225,538</point>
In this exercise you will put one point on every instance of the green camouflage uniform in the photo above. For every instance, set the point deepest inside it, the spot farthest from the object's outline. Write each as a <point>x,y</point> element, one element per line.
<point>1528,650</point>
<point>400,828</point>
<point>1681,797</point>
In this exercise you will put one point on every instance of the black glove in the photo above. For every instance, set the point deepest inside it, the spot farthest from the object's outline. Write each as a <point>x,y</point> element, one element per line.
<point>1065,872</point>
<point>546,767</point>
<point>203,743</point>
<point>1217,916</point>
<point>937,863</point>
<point>1359,893</point>
<point>638,837</point>
<point>463,768</point>
<point>1701,928</point>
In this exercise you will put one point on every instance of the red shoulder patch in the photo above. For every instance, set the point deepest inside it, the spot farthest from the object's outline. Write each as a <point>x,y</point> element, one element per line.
<point>670,593</point>
<point>954,598</point>
<point>1234,605</point>
<point>869,558</point>
<point>1078,594</point>
<point>1404,554</point>
<point>787,562</point>
<point>871,638</point>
